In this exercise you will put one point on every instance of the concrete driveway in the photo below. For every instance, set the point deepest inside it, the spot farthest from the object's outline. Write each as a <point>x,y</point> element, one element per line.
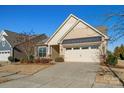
<point>61,75</point>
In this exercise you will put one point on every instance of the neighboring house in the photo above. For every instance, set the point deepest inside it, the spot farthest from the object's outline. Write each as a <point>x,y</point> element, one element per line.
<point>75,41</point>
<point>9,45</point>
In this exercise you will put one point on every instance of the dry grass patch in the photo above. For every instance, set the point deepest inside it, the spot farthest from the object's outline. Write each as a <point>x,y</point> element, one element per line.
<point>105,76</point>
<point>26,69</point>
<point>2,80</point>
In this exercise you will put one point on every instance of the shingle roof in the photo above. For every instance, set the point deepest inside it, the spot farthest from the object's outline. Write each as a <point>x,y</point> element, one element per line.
<point>12,38</point>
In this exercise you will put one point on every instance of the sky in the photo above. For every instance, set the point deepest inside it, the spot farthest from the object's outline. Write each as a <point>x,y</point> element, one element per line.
<point>46,19</point>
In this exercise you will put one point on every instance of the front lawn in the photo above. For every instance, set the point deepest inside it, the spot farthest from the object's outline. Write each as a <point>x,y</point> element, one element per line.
<point>26,69</point>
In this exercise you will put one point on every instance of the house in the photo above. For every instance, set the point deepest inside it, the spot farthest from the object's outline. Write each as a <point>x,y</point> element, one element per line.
<point>10,45</point>
<point>75,41</point>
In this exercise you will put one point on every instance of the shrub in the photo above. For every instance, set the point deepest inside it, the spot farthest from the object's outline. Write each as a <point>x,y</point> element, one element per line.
<point>24,60</point>
<point>112,60</point>
<point>59,59</point>
<point>45,60</point>
<point>122,56</point>
<point>11,59</point>
<point>31,59</point>
<point>37,60</point>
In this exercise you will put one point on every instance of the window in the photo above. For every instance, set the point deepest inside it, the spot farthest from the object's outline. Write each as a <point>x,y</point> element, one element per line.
<point>3,43</point>
<point>42,52</point>
<point>85,47</point>
<point>68,48</point>
<point>94,47</point>
<point>6,52</point>
<point>76,48</point>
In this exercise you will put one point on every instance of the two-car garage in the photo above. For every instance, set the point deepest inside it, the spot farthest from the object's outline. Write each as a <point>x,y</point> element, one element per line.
<point>82,54</point>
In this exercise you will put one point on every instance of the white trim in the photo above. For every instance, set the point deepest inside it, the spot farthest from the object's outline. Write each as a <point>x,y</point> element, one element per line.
<point>42,47</point>
<point>60,41</point>
<point>80,20</point>
<point>3,43</point>
<point>5,38</point>
<point>91,26</point>
<point>3,33</point>
<point>71,15</point>
<point>94,29</point>
<point>11,50</point>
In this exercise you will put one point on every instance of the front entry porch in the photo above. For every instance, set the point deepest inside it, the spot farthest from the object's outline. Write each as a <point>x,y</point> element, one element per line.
<point>55,51</point>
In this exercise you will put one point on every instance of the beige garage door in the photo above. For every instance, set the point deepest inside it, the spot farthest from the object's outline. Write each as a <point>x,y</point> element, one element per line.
<point>82,54</point>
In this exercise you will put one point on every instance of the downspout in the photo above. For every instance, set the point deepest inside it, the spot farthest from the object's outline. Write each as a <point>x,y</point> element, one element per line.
<point>13,55</point>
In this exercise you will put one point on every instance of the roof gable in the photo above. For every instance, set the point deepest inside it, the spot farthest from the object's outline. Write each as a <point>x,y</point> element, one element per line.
<point>94,29</point>
<point>64,27</point>
<point>80,30</point>
<point>70,28</point>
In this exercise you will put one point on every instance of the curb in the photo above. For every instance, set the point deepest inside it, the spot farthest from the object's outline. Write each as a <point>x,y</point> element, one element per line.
<point>116,75</point>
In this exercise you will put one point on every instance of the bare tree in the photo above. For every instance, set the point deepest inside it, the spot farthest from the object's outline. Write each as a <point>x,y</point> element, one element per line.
<point>117,25</point>
<point>24,41</point>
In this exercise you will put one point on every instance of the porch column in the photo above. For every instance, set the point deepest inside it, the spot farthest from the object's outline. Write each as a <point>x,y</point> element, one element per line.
<point>61,50</point>
<point>48,51</point>
<point>35,52</point>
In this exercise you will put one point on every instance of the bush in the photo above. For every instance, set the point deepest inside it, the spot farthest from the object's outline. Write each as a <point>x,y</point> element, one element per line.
<point>112,60</point>
<point>11,59</point>
<point>59,59</point>
<point>37,60</point>
<point>121,56</point>
<point>31,59</point>
<point>24,60</point>
<point>43,60</point>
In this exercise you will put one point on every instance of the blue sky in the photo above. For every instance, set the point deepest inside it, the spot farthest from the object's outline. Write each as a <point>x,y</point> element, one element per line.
<point>46,19</point>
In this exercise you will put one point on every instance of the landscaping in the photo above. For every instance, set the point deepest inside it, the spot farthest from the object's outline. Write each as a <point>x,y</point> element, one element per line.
<point>24,67</point>
<point>111,72</point>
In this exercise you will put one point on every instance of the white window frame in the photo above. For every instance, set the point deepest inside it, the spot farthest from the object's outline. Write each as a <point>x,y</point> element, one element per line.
<point>42,47</point>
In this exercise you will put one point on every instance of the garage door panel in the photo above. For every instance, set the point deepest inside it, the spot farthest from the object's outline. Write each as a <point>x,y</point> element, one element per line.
<point>4,55</point>
<point>82,55</point>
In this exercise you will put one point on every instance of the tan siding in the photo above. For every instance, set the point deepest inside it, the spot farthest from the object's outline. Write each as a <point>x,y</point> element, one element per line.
<point>81,30</point>
<point>62,31</point>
